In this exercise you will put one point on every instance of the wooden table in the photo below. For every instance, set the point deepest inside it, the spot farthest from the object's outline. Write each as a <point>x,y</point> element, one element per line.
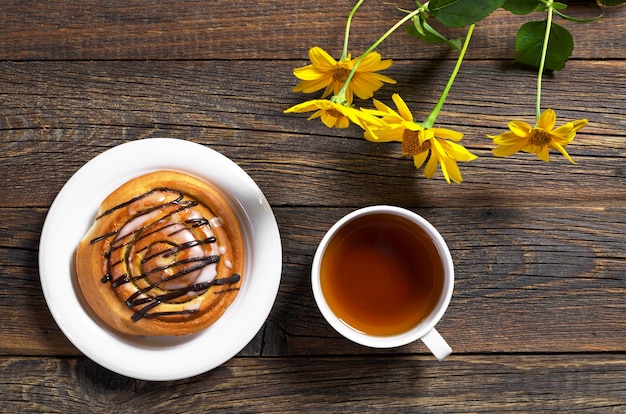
<point>538,317</point>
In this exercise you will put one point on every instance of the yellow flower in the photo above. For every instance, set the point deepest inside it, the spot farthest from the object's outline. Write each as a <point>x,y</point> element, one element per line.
<point>435,144</point>
<point>537,140</point>
<point>394,122</point>
<point>326,72</point>
<point>335,114</point>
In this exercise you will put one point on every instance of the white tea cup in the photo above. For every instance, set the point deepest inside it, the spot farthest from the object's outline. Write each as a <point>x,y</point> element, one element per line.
<point>383,276</point>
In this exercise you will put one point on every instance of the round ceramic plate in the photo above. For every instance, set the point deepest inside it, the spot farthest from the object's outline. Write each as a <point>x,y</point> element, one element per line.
<point>158,358</point>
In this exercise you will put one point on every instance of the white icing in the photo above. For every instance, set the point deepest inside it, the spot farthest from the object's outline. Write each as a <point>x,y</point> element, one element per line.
<point>215,222</point>
<point>136,223</point>
<point>208,273</point>
<point>193,305</point>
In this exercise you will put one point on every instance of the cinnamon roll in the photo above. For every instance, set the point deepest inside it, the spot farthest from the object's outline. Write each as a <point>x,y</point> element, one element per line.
<point>164,256</point>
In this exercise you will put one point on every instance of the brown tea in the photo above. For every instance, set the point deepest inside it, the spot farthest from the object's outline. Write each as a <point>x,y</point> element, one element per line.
<point>381,274</point>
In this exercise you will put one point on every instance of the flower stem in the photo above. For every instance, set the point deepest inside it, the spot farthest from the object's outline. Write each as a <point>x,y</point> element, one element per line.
<point>341,95</point>
<point>430,121</point>
<point>344,52</point>
<point>542,62</point>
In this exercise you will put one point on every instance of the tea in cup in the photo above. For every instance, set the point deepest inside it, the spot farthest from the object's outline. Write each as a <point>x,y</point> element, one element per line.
<point>383,276</point>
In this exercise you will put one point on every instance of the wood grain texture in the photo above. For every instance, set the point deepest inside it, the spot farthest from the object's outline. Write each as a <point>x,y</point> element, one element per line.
<point>525,383</point>
<point>525,279</point>
<point>235,29</point>
<point>71,111</point>
<point>537,317</point>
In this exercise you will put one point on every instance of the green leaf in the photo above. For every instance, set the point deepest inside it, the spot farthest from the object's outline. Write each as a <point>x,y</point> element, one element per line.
<point>612,2</point>
<point>529,44</point>
<point>459,13</point>
<point>522,6</point>
<point>422,30</point>
<point>574,19</point>
<point>418,25</point>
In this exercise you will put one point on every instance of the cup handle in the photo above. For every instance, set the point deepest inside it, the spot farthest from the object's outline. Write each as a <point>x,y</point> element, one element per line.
<point>437,345</point>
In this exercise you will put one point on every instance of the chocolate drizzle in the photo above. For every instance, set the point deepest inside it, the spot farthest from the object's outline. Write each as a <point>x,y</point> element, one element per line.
<point>173,250</point>
<point>152,302</point>
<point>164,277</point>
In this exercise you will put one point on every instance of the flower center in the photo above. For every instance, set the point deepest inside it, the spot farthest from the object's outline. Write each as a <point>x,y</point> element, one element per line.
<point>335,113</point>
<point>411,143</point>
<point>341,74</point>
<point>539,138</point>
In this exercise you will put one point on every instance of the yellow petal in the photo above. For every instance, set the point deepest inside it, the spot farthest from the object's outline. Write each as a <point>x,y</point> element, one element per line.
<point>508,138</point>
<point>562,151</point>
<point>439,154</point>
<point>436,146</point>
<point>403,110</point>
<point>316,114</point>
<point>447,133</point>
<point>364,85</point>
<point>426,134</point>
<point>308,72</point>
<point>506,150</point>
<point>307,106</point>
<point>372,62</point>
<point>450,168</point>
<point>329,89</point>
<point>328,119</point>
<point>412,126</point>
<point>386,134</point>
<point>520,128</point>
<point>567,132</point>
<point>381,106</point>
<point>370,134</point>
<point>533,149</point>
<point>309,86</point>
<point>342,122</point>
<point>383,78</point>
<point>431,166</point>
<point>547,120</point>
<point>543,154</point>
<point>419,159</point>
<point>444,170</point>
<point>374,112</point>
<point>457,151</point>
<point>384,111</point>
<point>360,117</point>
<point>578,124</point>
<point>320,58</point>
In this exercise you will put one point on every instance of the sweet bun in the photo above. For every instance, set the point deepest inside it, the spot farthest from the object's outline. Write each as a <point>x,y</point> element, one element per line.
<point>164,256</point>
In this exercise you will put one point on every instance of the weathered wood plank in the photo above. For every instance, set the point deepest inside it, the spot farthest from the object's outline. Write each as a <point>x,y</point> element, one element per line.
<point>590,383</point>
<point>174,29</point>
<point>537,318</point>
<point>249,95</point>
<point>526,278</point>
<point>58,115</point>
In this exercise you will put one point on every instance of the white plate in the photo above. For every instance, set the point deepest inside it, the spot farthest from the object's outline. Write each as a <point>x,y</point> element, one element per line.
<point>158,358</point>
